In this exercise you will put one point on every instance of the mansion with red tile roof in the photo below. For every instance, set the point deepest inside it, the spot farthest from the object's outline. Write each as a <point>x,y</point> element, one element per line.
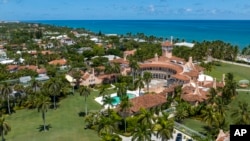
<point>176,71</point>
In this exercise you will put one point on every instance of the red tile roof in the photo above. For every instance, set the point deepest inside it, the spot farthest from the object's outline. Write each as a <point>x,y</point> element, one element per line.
<point>30,67</point>
<point>11,67</point>
<point>188,94</point>
<point>181,77</point>
<point>146,101</point>
<point>58,62</point>
<point>41,70</point>
<point>120,61</point>
<point>177,68</point>
<point>167,44</point>
<point>192,73</point>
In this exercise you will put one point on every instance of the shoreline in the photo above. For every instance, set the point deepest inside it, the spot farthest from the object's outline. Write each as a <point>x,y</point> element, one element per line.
<point>227,31</point>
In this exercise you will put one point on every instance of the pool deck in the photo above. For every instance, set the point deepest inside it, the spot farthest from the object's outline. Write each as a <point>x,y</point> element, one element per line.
<point>99,99</point>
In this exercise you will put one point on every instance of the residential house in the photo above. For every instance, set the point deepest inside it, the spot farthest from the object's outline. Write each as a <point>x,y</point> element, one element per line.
<point>67,41</point>
<point>82,49</point>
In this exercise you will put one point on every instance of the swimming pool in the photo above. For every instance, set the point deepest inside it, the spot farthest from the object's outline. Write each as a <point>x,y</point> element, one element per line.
<point>116,100</point>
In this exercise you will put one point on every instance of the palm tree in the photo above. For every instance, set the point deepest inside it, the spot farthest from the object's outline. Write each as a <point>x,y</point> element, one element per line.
<point>142,132</point>
<point>220,107</point>
<point>139,84</point>
<point>212,96</point>
<point>19,88</point>
<point>241,115</point>
<point>105,126</point>
<point>107,100</point>
<point>121,89</point>
<point>6,90</point>
<point>125,106</point>
<point>85,91</point>
<point>134,66</point>
<point>35,84</point>
<point>146,117</point>
<point>103,91</point>
<point>147,76</point>
<point>209,115</point>
<point>164,127</point>
<point>181,112</point>
<point>76,74</point>
<point>116,69</point>
<point>4,127</point>
<point>111,137</point>
<point>42,106</point>
<point>229,89</point>
<point>54,87</point>
<point>108,70</point>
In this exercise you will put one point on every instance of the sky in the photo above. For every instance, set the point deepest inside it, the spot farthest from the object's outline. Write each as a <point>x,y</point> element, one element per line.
<point>123,9</point>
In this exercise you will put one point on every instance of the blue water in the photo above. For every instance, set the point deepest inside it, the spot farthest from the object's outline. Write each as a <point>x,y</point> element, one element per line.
<point>236,32</point>
<point>116,99</point>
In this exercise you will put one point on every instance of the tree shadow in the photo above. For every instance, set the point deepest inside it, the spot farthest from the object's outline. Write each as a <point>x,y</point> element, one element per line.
<point>81,114</point>
<point>52,106</point>
<point>41,128</point>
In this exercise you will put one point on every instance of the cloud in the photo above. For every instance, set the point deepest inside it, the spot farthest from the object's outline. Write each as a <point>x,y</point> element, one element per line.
<point>151,8</point>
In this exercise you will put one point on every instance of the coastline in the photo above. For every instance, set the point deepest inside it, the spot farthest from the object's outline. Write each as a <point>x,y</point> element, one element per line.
<point>234,32</point>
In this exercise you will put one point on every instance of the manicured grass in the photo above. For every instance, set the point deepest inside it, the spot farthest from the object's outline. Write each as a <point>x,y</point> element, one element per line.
<point>194,125</point>
<point>239,72</point>
<point>66,124</point>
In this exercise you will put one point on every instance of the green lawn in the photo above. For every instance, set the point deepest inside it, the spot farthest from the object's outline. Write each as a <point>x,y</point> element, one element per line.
<point>66,124</point>
<point>239,72</point>
<point>194,125</point>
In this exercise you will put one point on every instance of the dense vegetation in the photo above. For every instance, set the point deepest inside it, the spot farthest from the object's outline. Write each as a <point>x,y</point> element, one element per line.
<point>44,96</point>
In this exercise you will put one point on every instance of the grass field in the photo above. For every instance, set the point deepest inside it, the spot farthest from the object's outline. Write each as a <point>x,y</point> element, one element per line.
<point>239,72</point>
<point>66,124</point>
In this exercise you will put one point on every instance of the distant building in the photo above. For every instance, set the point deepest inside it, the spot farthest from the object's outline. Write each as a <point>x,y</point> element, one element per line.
<point>82,49</point>
<point>186,44</point>
<point>42,77</point>
<point>25,79</point>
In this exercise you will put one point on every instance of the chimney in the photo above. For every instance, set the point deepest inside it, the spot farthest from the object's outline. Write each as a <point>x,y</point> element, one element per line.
<point>205,79</point>
<point>223,78</point>
<point>214,83</point>
<point>190,60</point>
<point>156,57</point>
<point>197,91</point>
<point>93,71</point>
<point>124,56</point>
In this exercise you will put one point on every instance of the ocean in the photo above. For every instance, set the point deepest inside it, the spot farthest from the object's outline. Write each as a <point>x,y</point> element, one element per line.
<point>235,32</point>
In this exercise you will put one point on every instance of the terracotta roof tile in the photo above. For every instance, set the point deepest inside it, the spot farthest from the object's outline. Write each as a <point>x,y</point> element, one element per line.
<point>58,62</point>
<point>177,68</point>
<point>146,101</point>
<point>181,77</point>
<point>120,61</point>
<point>41,70</point>
<point>192,73</point>
<point>188,94</point>
<point>12,67</point>
<point>167,44</point>
<point>30,67</point>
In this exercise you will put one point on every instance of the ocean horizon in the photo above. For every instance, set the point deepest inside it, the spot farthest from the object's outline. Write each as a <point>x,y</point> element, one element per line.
<point>235,32</point>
